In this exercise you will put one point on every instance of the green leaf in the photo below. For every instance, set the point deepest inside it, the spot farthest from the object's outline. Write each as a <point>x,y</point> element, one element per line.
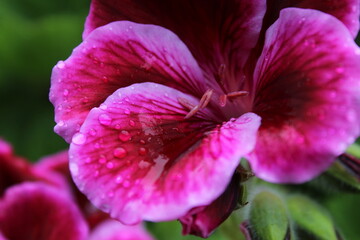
<point>268,218</point>
<point>311,218</point>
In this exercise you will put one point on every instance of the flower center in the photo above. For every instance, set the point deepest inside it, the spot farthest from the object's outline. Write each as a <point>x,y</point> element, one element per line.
<point>205,99</point>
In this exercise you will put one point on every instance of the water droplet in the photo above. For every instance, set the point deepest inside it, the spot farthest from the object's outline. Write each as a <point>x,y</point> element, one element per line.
<point>120,152</point>
<point>88,160</point>
<point>61,123</point>
<point>79,139</point>
<point>124,136</point>
<point>105,119</point>
<point>96,173</point>
<point>85,100</point>
<point>102,159</point>
<point>117,126</point>
<point>111,194</point>
<point>61,64</point>
<point>339,70</point>
<point>119,179</point>
<point>127,111</point>
<point>126,183</point>
<point>143,164</point>
<point>110,165</point>
<point>131,123</point>
<point>142,141</point>
<point>65,92</point>
<point>105,79</point>
<point>103,106</point>
<point>142,151</point>
<point>92,132</point>
<point>74,168</point>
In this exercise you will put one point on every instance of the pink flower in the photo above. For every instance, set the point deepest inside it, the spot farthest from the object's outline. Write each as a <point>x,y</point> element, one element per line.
<point>160,112</point>
<point>38,211</point>
<point>36,199</point>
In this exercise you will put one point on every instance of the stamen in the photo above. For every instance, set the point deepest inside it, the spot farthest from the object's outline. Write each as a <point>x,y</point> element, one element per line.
<point>204,101</point>
<point>237,94</point>
<point>221,71</point>
<point>223,98</point>
<point>185,103</point>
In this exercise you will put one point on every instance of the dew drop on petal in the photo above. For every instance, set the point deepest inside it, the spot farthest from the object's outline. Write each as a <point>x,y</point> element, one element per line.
<point>131,123</point>
<point>142,141</point>
<point>105,119</point>
<point>126,183</point>
<point>79,139</point>
<point>142,151</point>
<point>119,179</point>
<point>143,164</point>
<point>66,92</point>
<point>61,64</point>
<point>103,106</point>
<point>124,136</point>
<point>127,111</point>
<point>110,165</point>
<point>120,152</point>
<point>92,132</point>
<point>61,123</point>
<point>102,159</point>
<point>74,169</point>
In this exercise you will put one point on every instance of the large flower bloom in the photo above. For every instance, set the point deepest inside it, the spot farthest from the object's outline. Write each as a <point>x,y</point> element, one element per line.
<point>160,109</point>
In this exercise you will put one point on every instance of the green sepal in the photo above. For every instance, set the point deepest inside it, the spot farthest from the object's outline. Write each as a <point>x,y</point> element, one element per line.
<point>311,218</point>
<point>268,218</point>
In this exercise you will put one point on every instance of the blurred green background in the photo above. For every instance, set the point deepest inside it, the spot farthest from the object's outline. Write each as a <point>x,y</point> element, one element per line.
<point>34,35</point>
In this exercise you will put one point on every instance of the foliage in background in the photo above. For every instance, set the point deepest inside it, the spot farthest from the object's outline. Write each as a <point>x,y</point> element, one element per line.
<point>34,35</point>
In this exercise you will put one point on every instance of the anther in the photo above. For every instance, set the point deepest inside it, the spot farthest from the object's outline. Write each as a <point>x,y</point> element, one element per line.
<point>223,98</point>
<point>204,101</point>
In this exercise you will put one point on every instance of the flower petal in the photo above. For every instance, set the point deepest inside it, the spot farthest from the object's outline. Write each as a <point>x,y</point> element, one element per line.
<point>307,93</point>
<point>114,230</point>
<point>138,158</point>
<point>58,164</point>
<point>202,221</point>
<point>15,169</point>
<point>218,33</point>
<point>36,211</point>
<point>114,56</point>
<point>347,11</point>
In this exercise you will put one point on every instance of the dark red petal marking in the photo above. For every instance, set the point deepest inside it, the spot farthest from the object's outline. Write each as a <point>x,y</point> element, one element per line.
<point>114,56</point>
<point>307,93</point>
<point>347,11</point>
<point>147,162</point>
<point>220,34</point>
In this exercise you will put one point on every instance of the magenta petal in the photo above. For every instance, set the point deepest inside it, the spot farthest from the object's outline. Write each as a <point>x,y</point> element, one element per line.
<point>137,158</point>
<point>36,211</point>
<point>308,95</point>
<point>15,169</point>
<point>218,33</point>
<point>347,11</point>
<point>114,230</point>
<point>202,221</point>
<point>114,56</point>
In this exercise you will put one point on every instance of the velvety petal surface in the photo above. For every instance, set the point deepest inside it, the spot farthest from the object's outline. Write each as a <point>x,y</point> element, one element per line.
<point>114,230</point>
<point>114,56</point>
<point>36,211</point>
<point>220,34</point>
<point>307,93</point>
<point>347,11</point>
<point>58,164</point>
<point>137,157</point>
<point>202,221</point>
<point>15,169</point>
